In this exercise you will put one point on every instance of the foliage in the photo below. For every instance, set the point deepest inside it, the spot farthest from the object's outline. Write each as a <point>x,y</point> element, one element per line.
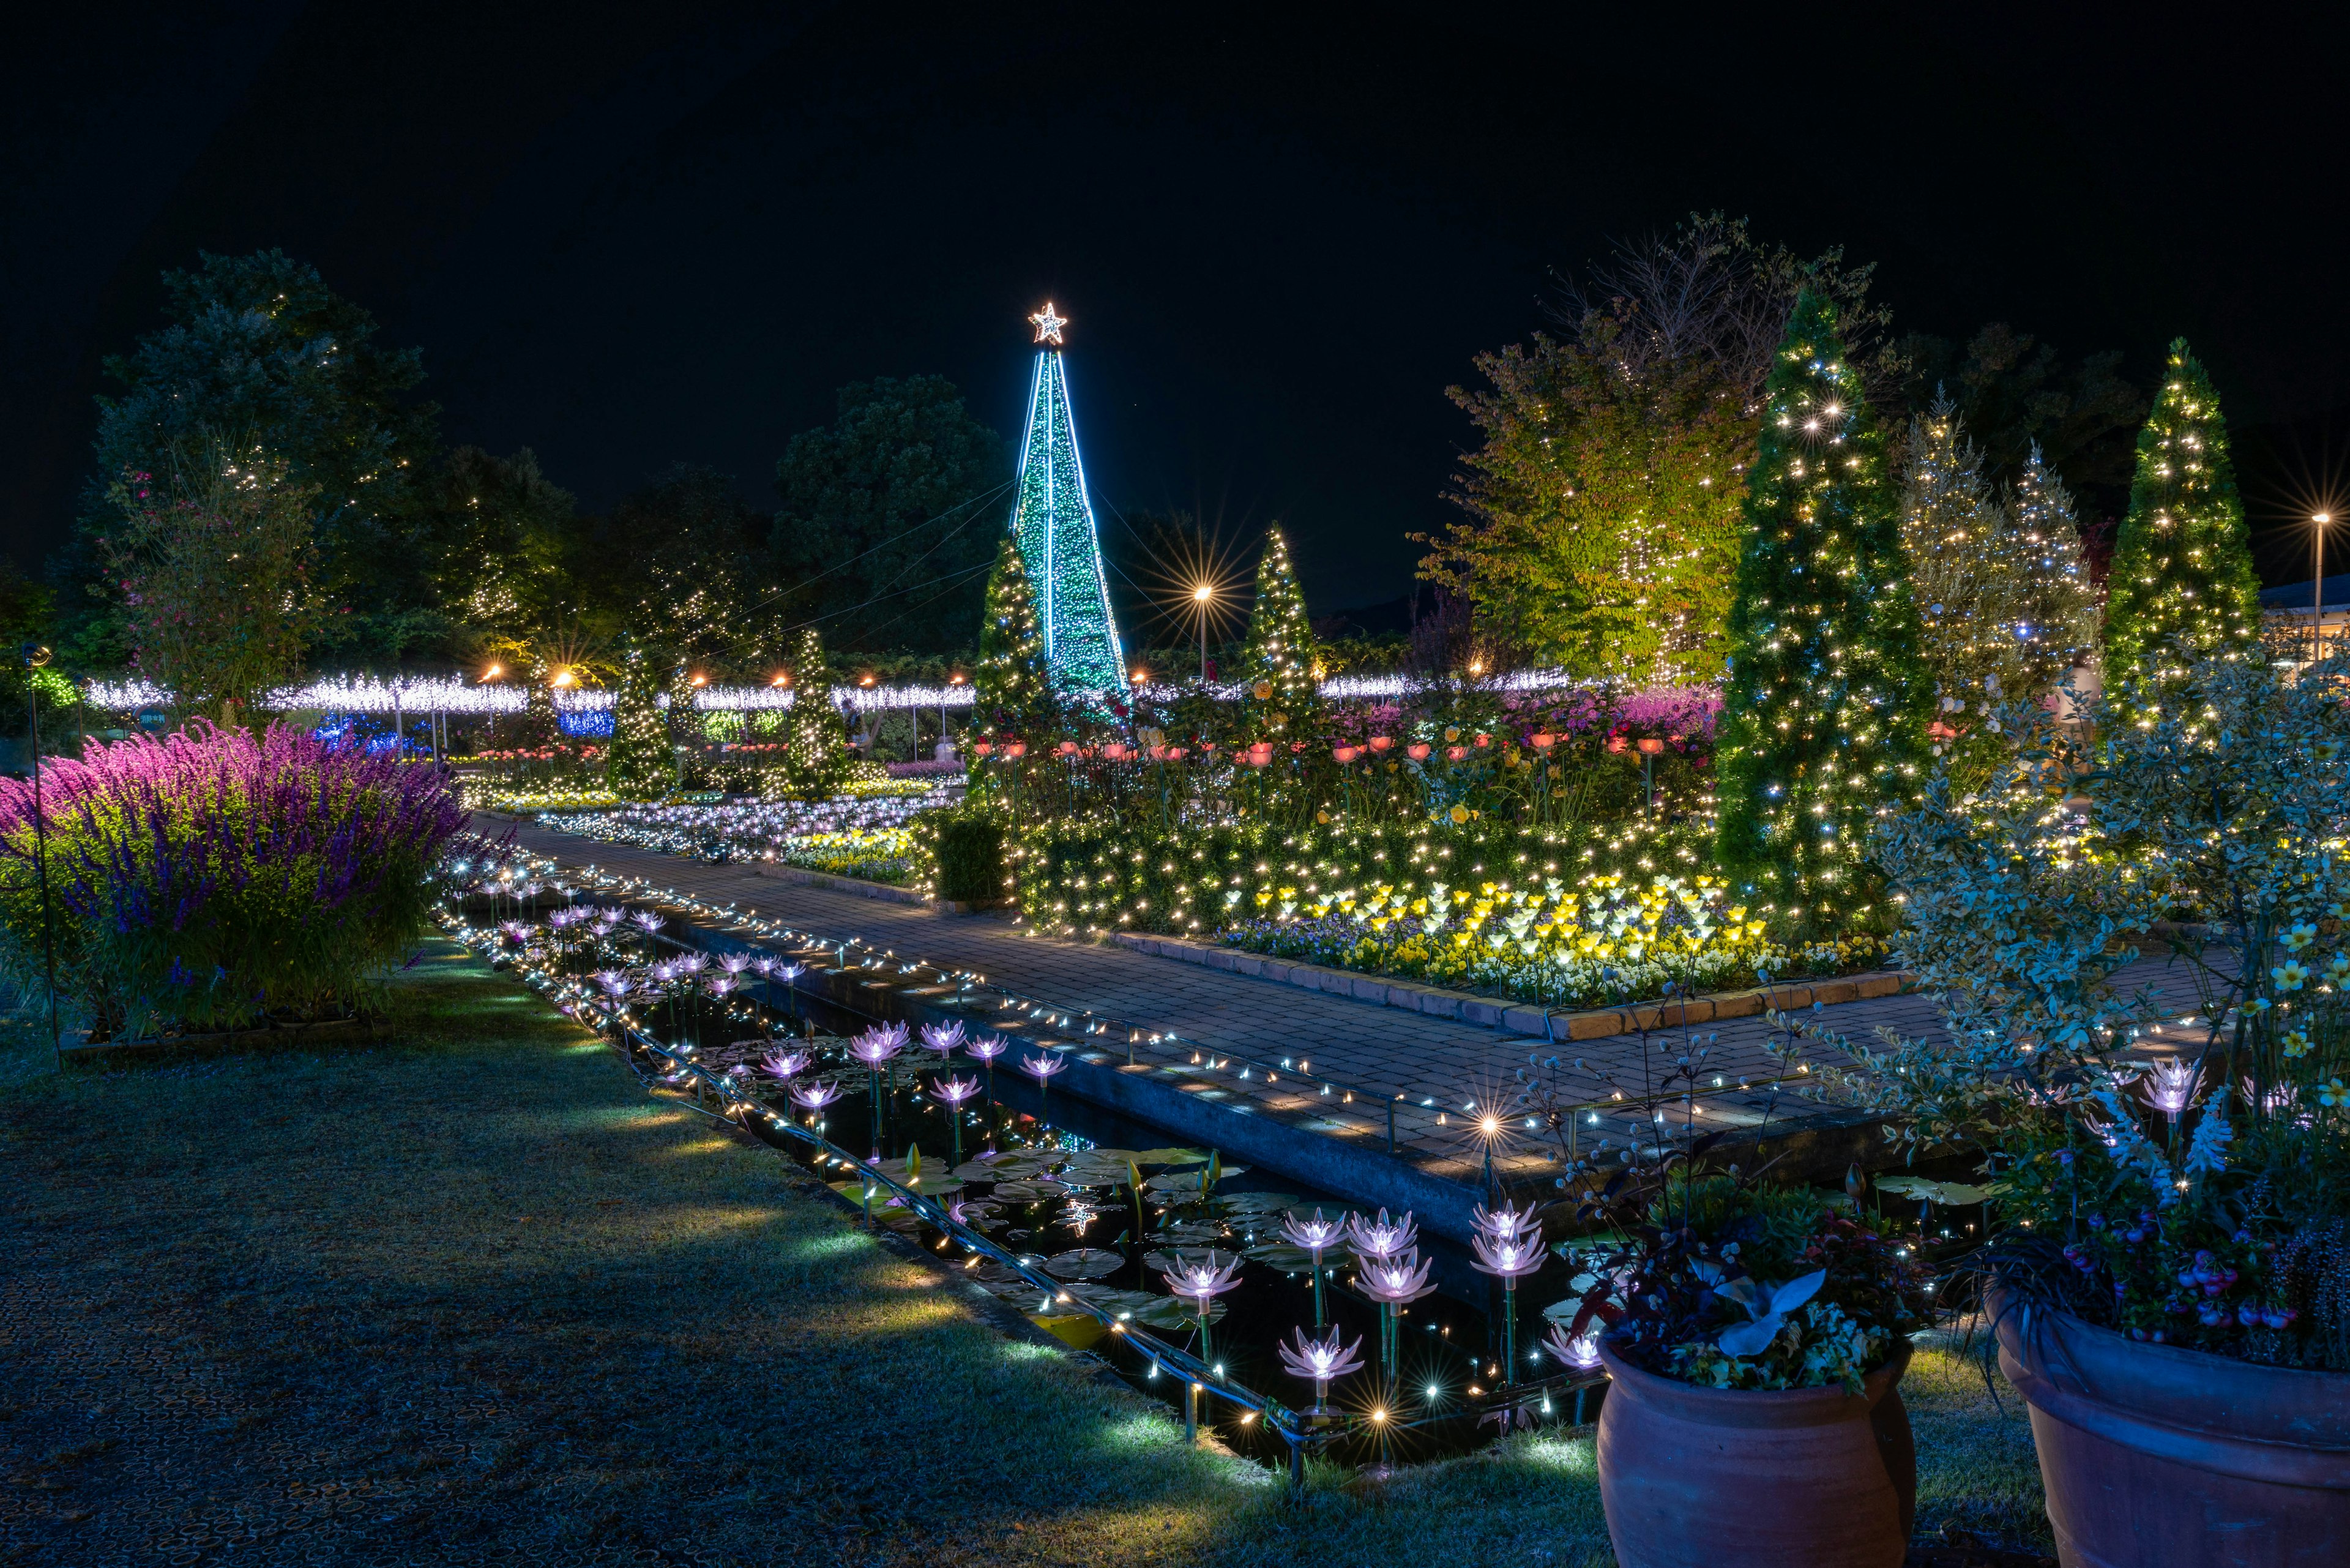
<point>2176,1178</point>
<point>2016,396</point>
<point>1722,1280</point>
<point>816,742</point>
<point>2182,569</point>
<point>216,574</point>
<point>1280,658</point>
<point>1820,716</point>
<point>509,537</point>
<point>2004,602</point>
<point>1604,502</point>
<point>205,880</point>
<point>889,505</point>
<point>26,615</point>
<point>259,351</point>
<point>675,560</point>
<point>642,764</point>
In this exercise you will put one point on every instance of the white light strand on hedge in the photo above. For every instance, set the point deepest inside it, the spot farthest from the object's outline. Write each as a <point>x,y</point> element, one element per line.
<point>370,694</point>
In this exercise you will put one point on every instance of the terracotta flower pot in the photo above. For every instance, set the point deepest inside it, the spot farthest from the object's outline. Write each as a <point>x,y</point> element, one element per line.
<point>1804,1478</point>
<point>2156,1457</point>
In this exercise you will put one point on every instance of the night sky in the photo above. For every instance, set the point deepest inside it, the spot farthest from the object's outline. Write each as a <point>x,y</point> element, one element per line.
<point>630,236</point>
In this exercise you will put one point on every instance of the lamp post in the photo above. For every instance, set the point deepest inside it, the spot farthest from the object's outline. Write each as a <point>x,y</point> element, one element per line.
<point>2319,523</point>
<point>1203,594</point>
<point>1651,748</point>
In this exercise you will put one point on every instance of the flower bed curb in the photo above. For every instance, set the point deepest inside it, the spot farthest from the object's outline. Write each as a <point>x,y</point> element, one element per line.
<point>830,883</point>
<point>1519,1018</point>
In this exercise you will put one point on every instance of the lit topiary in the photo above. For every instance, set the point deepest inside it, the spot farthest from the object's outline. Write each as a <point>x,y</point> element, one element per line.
<point>1013,691</point>
<point>2182,569</point>
<point>1823,714</point>
<point>816,742</point>
<point>1280,652</point>
<point>641,764</point>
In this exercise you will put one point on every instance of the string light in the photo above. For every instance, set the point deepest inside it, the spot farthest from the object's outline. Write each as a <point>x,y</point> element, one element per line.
<point>1059,545</point>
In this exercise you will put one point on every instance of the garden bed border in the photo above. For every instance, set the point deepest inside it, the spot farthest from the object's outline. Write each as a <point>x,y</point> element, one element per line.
<point>1518,1017</point>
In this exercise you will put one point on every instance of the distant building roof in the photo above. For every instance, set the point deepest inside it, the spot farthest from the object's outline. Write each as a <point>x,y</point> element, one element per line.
<point>2295,595</point>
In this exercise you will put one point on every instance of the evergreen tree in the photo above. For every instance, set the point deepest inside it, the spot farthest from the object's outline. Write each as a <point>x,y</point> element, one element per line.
<point>1280,656</point>
<point>1821,722</point>
<point>2182,567</point>
<point>1012,683</point>
<point>639,765</point>
<point>816,742</point>
<point>2004,605</point>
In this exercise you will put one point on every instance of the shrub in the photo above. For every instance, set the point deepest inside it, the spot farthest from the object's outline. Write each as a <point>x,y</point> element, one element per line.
<point>213,878</point>
<point>966,849</point>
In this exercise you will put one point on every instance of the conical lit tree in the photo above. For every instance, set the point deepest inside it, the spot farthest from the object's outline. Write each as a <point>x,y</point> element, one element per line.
<point>1823,700</point>
<point>640,764</point>
<point>815,741</point>
<point>2182,571</point>
<point>1012,683</point>
<point>1280,653</point>
<point>2004,606</point>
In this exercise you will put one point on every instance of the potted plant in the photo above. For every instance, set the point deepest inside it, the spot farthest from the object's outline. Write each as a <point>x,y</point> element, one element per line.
<point>1755,1334</point>
<point>2164,1151</point>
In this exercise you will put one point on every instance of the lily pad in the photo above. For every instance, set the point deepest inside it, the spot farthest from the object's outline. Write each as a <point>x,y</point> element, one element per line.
<point>1188,1232</point>
<point>1085,1264</point>
<point>1289,1259</point>
<point>1188,1180</point>
<point>1255,1202</point>
<point>1918,1189</point>
<point>1171,1157</point>
<point>1170,1312</point>
<point>1029,1191</point>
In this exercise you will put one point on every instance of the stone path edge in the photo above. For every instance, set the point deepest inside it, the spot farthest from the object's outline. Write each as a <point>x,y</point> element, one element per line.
<point>1519,1018</point>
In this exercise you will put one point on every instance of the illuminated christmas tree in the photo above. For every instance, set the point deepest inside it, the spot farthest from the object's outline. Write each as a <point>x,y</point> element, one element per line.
<point>640,765</point>
<point>2182,568</point>
<point>1012,683</point>
<point>815,741</point>
<point>1822,701</point>
<point>1280,653</point>
<point>1054,522</point>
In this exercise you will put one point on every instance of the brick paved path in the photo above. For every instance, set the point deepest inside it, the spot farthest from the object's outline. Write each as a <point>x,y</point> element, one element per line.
<point>1426,1067</point>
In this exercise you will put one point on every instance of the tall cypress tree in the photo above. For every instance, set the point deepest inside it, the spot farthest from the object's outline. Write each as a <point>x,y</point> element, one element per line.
<point>1012,683</point>
<point>640,764</point>
<point>1822,716</point>
<point>2182,568</point>
<point>816,739</point>
<point>1280,652</point>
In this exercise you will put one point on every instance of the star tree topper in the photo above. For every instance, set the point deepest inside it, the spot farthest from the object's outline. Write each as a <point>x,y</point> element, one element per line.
<point>1048,325</point>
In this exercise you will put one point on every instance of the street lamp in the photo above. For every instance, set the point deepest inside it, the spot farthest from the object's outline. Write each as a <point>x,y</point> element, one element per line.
<point>2319,521</point>
<point>1202,595</point>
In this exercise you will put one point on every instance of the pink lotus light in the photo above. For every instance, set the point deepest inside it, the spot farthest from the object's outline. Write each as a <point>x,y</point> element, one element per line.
<point>734,964</point>
<point>648,921</point>
<point>943,1039</point>
<point>1507,1222</point>
<point>788,1064</point>
<point>815,1095</point>
<point>1202,1281</point>
<point>690,965</point>
<point>1509,1259</point>
<point>1043,1068</point>
<point>788,972</point>
<point>616,982</point>
<point>1579,1351</point>
<point>1319,1361</point>
<point>2174,1085</point>
<point>720,984</point>
<point>954,1091</point>
<point>1397,1281</point>
<point>1316,1235</point>
<point>1382,1238</point>
<point>517,931</point>
<point>877,1045</point>
<point>988,1047</point>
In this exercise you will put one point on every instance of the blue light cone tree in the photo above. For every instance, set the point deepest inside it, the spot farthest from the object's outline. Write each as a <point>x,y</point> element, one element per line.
<point>1059,545</point>
<point>1823,706</point>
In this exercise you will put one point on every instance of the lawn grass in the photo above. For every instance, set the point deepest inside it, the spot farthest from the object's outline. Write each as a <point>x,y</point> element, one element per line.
<point>468,1293</point>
